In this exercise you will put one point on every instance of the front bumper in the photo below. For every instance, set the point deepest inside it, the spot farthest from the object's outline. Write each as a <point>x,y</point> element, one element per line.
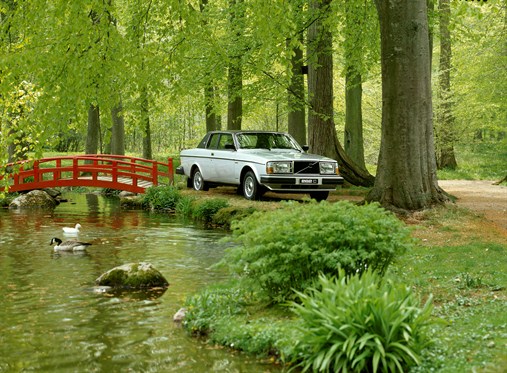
<point>180,171</point>
<point>306,183</point>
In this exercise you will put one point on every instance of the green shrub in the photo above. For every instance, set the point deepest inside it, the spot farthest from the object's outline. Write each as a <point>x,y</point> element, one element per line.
<point>287,248</point>
<point>355,324</point>
<point>161,197</point>
<point>205,210</point>
<point>184,206</point>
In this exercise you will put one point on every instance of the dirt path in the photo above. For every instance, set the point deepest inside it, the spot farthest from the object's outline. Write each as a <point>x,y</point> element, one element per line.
<point>481,196</point>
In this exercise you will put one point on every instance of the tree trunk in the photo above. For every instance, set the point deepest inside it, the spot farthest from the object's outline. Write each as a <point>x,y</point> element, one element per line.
<point>212,123</point>
<point>322,136</point>
<point>118,130</point>
<point>145,124</point>
<point>354,146</point>
<point>295,97</point>
<point>406,177</point>
<point>235,78</point>
<point>93,132</point>
<point>446,136</point>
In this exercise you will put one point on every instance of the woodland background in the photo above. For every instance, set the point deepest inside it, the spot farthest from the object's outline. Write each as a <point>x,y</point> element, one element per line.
<point>151,77</point>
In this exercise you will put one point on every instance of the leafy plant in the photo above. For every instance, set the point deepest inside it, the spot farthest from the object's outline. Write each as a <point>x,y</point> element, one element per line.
<point>184,206</point>
<point>280,250</point>
<point>162,197</point>
<point>206,209</point>
<point>359,324</point>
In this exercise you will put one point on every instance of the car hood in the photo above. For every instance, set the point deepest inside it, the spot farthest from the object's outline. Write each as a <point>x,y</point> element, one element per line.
<point>281,155</point>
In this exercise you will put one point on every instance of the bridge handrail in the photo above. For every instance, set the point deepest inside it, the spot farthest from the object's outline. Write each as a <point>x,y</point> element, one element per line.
<point>94,165</point>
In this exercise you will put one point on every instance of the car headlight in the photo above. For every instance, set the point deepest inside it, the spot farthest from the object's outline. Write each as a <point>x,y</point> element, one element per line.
<point>328,168</point>
<point>279,168</point>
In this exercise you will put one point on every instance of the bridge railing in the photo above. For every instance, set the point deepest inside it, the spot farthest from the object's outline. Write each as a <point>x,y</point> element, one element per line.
<point>99,170</point>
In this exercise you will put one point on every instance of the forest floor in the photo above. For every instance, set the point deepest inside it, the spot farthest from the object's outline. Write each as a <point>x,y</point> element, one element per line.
<point>481,197</point>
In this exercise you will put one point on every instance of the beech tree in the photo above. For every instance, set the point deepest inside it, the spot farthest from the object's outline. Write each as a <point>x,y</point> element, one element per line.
<point>406,176</point>
<point>322,136</point>
<point>446,133</point>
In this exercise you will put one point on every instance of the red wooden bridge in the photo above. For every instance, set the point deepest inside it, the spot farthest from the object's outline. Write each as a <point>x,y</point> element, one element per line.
<point>90,170</point>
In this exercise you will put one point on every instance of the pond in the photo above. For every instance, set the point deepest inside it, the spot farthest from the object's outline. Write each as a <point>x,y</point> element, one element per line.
<point>52,321</point>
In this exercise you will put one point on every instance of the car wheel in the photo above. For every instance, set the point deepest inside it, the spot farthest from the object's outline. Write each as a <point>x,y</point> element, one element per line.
<point>251,188</point>
<point>319,196</point>
<point>197,181</point>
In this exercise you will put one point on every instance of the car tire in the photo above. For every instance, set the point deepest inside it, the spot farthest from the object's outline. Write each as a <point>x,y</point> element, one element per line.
<point>319,196</point>
<point>198,182</point>
<point>251,188</point>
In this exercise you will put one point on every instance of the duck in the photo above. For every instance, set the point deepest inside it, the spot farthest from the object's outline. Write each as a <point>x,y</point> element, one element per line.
<point>69,245</point>
<point>72,230</point>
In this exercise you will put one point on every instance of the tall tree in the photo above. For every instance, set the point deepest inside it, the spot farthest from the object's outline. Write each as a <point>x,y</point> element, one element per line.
<point>446,136</point>
<point>117,130</point>
<point>93,131</point>
<point>321,129</point>
<point>353,141</point>
<point>235,77</point>
<point>212,119</point>
<point>406,178</point>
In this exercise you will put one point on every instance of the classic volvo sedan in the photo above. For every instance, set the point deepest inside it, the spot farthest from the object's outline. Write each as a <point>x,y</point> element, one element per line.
<point>258,161</point>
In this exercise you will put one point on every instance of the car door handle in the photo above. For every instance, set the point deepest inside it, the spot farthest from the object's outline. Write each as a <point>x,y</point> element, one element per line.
<point>212,153</point>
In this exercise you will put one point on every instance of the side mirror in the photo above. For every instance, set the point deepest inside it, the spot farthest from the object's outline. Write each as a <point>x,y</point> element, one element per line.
<point>305,148</point>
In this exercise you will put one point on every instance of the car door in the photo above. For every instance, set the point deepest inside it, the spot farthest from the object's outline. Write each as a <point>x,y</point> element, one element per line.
<point>224,159</point>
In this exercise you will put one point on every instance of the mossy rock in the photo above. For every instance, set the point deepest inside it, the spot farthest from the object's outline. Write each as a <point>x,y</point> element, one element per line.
<point>34,199</point>
<point>133,276</point>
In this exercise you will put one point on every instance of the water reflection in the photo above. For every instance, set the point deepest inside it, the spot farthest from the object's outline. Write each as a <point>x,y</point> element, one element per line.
<point>52,320</point>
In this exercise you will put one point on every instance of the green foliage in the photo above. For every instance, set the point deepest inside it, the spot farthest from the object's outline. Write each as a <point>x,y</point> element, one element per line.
<point>287,248</point>
<point>208,208</point>
<point>161,197</point>
<point>184,206</point>
<point>359,324</point>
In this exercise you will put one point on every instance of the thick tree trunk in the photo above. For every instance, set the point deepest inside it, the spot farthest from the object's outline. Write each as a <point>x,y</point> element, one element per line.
<point>446,130</point>
<point>118,130</point>
<point>322,136</point>
<point>406,177</point>
<point>93,132</point>
<point>354,145</point>
<point>295,97</point>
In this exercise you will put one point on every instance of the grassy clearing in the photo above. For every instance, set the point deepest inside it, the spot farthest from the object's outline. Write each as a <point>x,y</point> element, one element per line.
<point>480,161</point>
<point>464,267</point>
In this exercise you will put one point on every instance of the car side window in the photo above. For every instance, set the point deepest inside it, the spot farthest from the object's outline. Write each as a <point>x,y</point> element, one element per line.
<point>213,142</point>
<point>225,142</point>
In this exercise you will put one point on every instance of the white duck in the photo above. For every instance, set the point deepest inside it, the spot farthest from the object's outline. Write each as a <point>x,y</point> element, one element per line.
<point>72,230</point>
<point>68,245</point>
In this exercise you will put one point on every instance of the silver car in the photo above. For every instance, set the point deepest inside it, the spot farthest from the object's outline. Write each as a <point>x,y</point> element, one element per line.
<point>258,161</point>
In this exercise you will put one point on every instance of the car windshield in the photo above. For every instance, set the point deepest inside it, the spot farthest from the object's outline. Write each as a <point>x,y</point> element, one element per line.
<point>266,140</point>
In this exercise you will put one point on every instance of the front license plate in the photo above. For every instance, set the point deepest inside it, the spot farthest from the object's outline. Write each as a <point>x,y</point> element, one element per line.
<point>308,181</point>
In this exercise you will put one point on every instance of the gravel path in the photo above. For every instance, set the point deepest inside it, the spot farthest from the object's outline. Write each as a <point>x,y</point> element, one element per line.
<point>481,196</point>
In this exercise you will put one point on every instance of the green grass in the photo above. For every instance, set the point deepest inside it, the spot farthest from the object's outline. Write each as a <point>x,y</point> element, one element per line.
<point>480,161</point>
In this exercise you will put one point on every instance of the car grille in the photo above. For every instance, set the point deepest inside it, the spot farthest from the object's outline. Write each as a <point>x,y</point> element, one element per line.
<point>305,167</point>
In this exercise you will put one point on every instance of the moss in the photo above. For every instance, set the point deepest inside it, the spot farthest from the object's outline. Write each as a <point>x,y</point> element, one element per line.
<point>133,276</point>
<point>225,216</point>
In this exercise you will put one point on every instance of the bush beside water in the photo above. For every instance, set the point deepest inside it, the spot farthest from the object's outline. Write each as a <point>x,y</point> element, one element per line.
<point>343,315</point>
<point>286,249</point>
